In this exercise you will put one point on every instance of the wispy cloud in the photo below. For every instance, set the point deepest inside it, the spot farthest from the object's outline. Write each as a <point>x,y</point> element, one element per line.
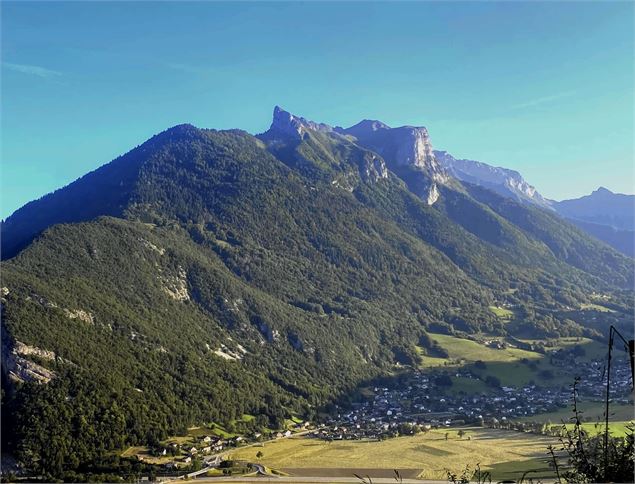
<point>38,71</point>
<point>189,68</point>
<point>543,100</point>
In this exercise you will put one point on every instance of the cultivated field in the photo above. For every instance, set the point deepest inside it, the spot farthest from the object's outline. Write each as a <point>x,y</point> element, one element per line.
<point>621,417</point>
<point>507,454</point>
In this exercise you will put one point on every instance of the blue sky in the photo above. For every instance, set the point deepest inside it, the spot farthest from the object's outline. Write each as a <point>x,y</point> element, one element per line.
<point>544,88</point>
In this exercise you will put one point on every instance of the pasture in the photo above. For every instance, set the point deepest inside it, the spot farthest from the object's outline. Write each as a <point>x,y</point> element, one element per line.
<point>511,366</point>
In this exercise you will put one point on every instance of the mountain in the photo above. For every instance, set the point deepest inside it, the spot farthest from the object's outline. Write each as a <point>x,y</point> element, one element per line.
<point>209,274</point>
<point>601,207</point>
<point>503,181</point>
<point>604,215</point>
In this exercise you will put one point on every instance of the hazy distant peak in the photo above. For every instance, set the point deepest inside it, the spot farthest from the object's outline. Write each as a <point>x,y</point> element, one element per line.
<point>602,191</point>
<point>602,206</point>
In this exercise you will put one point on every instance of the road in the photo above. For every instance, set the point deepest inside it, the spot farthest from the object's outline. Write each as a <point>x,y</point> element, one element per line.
<point>316,480</point>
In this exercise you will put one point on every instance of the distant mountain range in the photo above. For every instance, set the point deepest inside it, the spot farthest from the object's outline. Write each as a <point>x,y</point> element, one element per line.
<point>601,207</point>
<point>209,274</point>
<point>508,183</point>
<point>607,216</point>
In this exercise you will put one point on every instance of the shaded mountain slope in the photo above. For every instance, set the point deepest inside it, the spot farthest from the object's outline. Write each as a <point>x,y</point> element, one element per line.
<point>104,191</point>
<point>621,240</point>
<point>565,241</point>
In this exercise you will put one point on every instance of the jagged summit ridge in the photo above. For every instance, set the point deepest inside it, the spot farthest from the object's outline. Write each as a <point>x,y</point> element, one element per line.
<point>402,148</point>
<point>286,123</point>
<point>364,126</point>
<point>405,145</point>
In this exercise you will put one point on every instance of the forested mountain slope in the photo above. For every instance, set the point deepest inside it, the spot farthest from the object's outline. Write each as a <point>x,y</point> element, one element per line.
<point>207,274</point>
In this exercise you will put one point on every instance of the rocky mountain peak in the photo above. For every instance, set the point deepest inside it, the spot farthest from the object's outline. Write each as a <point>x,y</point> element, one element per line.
<point>402,146</point>
<point>603,207</point>
<point>286,123</point>
<point>405,147</point>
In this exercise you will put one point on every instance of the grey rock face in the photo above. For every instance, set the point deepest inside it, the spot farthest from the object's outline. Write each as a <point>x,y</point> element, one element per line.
<point>374,167</point>
<point>433,194</point>
<point>403,147</point>
<point>503,181</point>
<point>19,368</point>
<point>413,147</point>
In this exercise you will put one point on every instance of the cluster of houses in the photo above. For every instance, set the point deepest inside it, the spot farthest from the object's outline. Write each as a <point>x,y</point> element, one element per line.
<point>594,383</point>
<point>184,453</point>
<point>206,448</point>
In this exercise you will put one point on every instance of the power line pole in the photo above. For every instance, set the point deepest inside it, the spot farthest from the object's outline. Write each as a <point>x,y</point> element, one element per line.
<point>629,346</point>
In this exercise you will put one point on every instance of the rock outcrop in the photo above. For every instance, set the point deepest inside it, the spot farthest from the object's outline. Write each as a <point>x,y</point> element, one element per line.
<point>18,367</point>
<point>176,286</point>
<point>80,314</point>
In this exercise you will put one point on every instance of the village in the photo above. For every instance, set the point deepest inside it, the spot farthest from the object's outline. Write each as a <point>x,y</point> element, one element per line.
<point>423,403</point>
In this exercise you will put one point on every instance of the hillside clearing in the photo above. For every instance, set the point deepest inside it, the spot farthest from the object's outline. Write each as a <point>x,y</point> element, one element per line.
<point>470,351</point>
<point>596,307</point>
<point>511,366</point>
<point>502,313</point>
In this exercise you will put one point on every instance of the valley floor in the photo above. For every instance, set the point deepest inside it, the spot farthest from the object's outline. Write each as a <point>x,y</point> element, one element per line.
<point>506,454</point>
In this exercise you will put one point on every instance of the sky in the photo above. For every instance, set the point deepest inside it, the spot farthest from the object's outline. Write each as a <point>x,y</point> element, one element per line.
<point>542,88</point>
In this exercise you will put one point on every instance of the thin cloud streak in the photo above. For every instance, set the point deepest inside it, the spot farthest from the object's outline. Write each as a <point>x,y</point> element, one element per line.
<point>32,70</point>
<point>188,68</point>
<point>543,100</point>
